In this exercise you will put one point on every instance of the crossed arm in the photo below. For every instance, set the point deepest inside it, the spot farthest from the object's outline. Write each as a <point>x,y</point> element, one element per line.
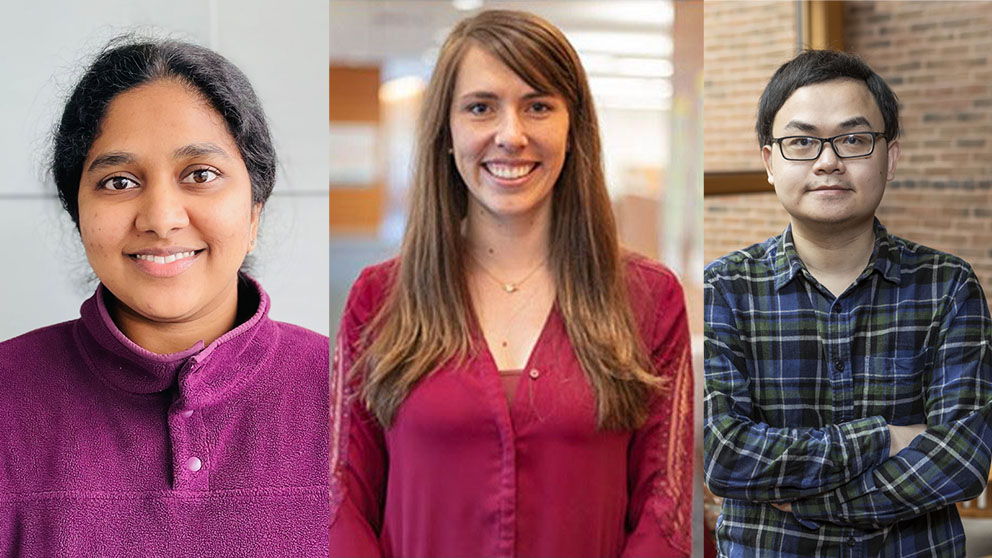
<point>865,472</point>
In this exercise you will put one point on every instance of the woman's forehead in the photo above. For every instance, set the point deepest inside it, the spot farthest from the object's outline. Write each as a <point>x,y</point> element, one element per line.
<point>481,71</point>
<point>162,115</point>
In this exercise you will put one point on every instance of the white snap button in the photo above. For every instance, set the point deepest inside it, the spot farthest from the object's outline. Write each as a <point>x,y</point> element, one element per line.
<point>187,413</point>
<point>194,464</point>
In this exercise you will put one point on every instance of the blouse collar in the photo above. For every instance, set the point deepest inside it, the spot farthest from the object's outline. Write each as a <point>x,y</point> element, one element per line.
<point>202,374</point>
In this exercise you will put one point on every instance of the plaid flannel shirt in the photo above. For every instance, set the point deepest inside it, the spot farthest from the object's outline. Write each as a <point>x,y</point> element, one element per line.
<point>801,385</point>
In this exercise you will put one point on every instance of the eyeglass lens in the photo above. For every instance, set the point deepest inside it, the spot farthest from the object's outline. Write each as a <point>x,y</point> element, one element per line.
<point>808,148</point>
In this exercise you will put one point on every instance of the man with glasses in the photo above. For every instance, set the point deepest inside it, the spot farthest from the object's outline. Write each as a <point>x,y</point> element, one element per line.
<point>848,373</point>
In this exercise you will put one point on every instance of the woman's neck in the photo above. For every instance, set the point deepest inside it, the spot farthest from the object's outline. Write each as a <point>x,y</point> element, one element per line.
<point>512,246</point>
<point>164,337</point>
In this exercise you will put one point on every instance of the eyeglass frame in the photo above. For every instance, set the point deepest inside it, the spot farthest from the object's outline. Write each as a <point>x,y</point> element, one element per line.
<point>830,140</point>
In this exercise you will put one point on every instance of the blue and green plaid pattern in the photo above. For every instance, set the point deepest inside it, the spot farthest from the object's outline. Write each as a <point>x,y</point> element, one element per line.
<point>801,385</point>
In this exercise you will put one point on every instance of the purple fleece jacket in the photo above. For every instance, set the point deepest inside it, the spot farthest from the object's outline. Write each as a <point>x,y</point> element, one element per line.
<point>108,450</point>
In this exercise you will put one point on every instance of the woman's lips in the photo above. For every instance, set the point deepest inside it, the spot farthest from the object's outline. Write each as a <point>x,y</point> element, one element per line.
<point>509,173</point>
<point>164,263</point>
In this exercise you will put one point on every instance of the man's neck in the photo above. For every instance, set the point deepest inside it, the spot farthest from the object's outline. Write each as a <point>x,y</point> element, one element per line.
<point>835,257</point>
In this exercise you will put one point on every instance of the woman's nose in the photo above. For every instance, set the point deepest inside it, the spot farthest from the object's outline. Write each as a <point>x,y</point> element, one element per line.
<point>161,208</point>
<point>511,134</point>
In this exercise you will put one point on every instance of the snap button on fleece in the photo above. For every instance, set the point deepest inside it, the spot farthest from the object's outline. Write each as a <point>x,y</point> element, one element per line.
<point>194,464</point>
<point>187,413</point>
<point>534,374</point>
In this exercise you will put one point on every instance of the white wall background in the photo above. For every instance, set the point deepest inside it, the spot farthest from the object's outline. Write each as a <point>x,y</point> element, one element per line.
<point>280,46</point>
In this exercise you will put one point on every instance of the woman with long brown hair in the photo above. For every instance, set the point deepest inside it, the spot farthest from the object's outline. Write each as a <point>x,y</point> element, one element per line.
<point>513,384</point>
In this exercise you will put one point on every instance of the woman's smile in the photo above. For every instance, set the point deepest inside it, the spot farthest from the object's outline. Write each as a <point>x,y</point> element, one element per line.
<point>164,262</point>
<point>510,173</point>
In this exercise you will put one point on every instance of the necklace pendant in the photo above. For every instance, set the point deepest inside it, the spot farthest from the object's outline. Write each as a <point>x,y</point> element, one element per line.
<point>510,287</point>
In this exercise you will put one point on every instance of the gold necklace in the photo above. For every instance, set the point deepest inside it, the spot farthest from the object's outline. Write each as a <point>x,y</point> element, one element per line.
<point>509,287</point>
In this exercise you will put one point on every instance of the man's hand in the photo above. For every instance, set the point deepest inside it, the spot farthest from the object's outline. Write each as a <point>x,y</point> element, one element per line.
<point>901,436</point>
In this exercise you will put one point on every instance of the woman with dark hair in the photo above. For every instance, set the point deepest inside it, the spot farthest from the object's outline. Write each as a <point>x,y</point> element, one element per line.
<point>513,384</point>
<point>173,417</point>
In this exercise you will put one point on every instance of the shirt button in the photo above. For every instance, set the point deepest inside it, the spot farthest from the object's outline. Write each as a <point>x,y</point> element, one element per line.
<point>187,413</point>
<point>194,464</point>
<point>839,365</point>
<point>836,308</point>
<point>851,541</point>
<point>534,373</point>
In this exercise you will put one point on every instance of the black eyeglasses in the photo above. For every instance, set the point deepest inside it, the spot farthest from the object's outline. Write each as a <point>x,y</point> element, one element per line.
<point>846,146</point>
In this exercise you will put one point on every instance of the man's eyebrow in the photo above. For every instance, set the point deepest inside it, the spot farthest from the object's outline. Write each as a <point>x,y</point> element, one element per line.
<point>111,159</point>
<point>855,122</point>
<point>199,150</point>
<point>801,126</point>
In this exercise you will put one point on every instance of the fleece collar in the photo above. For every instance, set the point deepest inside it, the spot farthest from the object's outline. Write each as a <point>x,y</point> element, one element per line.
<point>202,375</point>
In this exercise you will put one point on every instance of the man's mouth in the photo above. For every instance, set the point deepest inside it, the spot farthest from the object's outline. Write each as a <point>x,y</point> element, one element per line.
<point>830,188</point>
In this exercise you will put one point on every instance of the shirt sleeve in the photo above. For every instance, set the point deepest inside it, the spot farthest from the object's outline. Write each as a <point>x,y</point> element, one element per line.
<point>660,469</point>
<point>949,462</point>
<point>358,453</point>
<point>750,460</point>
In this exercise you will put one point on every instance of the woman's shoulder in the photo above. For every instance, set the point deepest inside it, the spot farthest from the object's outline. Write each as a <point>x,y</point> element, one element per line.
<point>37,344</point>
<point>650,280</point>
<point>369,291</point>
<point>299,338</point>
<point>33,362</point>
<point>377,277</point>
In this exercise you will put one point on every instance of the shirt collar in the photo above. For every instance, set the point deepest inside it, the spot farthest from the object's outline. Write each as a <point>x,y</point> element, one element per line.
<point>201,374</point>
<point>885,258</point>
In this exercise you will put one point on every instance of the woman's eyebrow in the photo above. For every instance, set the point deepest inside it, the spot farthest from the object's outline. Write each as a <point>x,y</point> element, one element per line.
<point>489,95</point>
<point>111,159</point>
<point>479,95</point>
<point>117,158</point>
<point>199,150</point>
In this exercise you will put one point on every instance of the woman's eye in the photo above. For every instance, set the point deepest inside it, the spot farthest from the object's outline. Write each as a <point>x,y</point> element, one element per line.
<point>478,108</point>
<point>540,107</point>
<point>118,183</point>
<point>201,176</point>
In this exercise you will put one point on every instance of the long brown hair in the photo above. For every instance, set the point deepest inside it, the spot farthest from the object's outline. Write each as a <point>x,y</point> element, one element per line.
<point>426,319</point>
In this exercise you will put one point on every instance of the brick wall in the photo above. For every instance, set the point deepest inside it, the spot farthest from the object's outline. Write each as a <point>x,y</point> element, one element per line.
<point>934,55</point>
<point>743,44</point>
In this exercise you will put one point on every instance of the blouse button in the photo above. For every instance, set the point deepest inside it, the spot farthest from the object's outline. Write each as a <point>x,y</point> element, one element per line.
<point>534,373</point>
<point>187,413</point>
<point>194,464</point>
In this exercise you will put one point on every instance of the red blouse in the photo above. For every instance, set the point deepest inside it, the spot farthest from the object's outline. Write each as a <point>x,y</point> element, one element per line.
<point>465,472</point>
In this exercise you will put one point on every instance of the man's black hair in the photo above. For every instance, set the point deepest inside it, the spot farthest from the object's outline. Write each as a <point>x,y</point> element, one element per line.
<point>817,66</point>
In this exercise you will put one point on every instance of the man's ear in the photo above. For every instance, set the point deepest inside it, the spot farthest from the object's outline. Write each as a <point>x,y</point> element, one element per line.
<point>893,150</point>
<point>766,156</point>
